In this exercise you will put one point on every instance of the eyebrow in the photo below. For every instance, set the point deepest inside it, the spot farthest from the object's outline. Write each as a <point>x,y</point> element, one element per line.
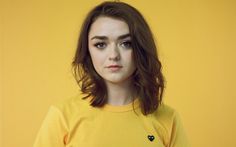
<point>106,38</point>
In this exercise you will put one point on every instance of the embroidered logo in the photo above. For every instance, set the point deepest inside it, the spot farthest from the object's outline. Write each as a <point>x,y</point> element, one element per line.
<point>151,137</point>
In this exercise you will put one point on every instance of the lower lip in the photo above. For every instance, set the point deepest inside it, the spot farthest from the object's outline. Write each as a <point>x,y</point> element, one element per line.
<point>114,68</point>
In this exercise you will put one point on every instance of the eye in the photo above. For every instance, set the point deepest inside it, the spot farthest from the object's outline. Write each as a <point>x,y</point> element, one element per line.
<point>126,44</point>
<point>100,45</point>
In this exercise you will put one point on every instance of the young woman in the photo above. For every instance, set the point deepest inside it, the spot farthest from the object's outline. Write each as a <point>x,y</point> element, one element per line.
<point>117,67</point>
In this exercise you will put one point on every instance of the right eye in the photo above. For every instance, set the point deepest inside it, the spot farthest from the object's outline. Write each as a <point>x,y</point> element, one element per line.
<point>100,45</point>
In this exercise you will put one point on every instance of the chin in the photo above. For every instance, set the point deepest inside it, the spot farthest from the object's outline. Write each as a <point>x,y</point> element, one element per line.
<point>117,80</point>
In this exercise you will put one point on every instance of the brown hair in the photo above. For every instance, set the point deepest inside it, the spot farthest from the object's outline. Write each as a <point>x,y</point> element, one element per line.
<point>148,81</point>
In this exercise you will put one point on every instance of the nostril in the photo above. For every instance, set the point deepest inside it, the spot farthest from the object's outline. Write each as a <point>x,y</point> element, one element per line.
<point>114,58</point>
<point>114,55</point>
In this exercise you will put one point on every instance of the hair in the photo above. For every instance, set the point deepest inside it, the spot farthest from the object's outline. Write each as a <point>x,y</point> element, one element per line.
<point>147,80</point>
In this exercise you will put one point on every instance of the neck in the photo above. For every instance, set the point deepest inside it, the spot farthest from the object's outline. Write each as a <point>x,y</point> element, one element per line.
<point>119,94</point>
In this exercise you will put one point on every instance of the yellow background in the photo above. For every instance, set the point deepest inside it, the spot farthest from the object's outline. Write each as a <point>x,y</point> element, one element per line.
<point>196,40</point>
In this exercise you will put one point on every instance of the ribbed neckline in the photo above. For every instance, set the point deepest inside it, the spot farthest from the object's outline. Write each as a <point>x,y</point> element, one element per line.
<point>120,108</point>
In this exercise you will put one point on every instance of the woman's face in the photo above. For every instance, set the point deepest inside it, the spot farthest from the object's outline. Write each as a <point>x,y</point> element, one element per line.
<point>111,50</point>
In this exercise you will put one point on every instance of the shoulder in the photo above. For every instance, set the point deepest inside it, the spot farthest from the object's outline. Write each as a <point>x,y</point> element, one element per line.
<point>70,102</point>
<point>165,112</point>
<point>172,122</point>
<point>71,106</point>
<point>169,121</point>
<point>167,117</point>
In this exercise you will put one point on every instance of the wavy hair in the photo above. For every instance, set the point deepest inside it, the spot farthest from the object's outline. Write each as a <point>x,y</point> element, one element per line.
<point>148,80</point>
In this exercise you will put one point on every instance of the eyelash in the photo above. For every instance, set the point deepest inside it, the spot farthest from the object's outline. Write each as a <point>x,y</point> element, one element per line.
<point>98,44</point>
<point>129,43</point>
<point>103,43</point>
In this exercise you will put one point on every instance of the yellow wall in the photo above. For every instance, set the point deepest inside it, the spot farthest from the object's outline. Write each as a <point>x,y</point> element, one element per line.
<point>196,40</point>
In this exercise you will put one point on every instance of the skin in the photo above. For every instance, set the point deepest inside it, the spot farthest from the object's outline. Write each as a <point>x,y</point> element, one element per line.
<point>110,44</point>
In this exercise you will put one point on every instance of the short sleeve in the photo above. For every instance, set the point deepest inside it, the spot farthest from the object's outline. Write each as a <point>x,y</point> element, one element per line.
<point>178,134</point>
<point>53,130</point>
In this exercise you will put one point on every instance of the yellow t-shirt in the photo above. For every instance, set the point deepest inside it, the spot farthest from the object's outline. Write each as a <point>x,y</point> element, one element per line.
<point>74,123</point>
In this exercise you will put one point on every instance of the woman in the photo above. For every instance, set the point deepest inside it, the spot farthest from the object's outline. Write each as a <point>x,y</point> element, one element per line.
<point>118,70</point>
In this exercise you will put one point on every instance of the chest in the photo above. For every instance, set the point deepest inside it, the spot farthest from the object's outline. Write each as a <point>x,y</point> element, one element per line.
<point>113,130</point>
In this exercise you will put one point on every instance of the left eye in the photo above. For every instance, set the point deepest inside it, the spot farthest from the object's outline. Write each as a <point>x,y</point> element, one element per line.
<point>126,44</point>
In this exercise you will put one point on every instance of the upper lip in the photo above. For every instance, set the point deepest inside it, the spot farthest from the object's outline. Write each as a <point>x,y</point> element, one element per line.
<point>112,66</point>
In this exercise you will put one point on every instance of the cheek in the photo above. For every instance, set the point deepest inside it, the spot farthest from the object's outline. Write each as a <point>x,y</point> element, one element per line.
<point>130,58</point>
<point>98,59</point>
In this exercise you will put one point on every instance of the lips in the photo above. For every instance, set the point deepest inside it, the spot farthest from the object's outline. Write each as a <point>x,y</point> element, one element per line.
<point>114,66</point>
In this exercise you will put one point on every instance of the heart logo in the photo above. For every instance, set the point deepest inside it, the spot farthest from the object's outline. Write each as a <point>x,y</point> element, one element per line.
<point>151,137</point>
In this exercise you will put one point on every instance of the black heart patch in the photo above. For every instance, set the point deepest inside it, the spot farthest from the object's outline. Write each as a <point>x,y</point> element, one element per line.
<point>151,137</point>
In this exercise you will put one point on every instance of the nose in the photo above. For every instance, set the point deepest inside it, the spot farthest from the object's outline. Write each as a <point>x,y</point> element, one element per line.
<point>114,54</point>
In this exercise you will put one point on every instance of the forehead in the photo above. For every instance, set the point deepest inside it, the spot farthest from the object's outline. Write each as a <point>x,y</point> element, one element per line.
<point>107,26</point>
